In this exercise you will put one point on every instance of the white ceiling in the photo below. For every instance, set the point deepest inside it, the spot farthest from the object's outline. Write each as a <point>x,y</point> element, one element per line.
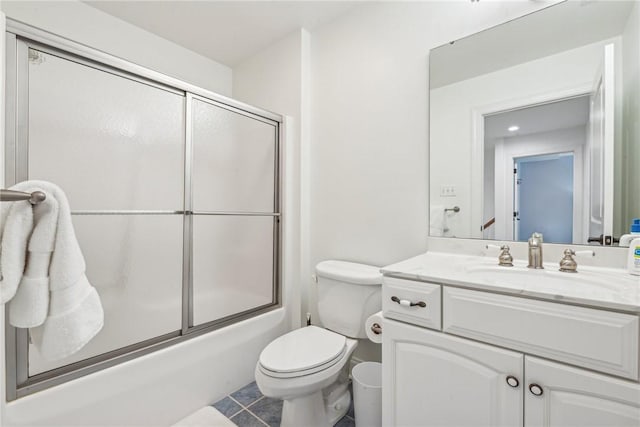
<point>546,32</point>
<point>225,31</point>
<point>541,118</point>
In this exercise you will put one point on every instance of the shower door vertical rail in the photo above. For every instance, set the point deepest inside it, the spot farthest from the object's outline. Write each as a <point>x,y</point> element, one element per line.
<point>11,130</point>
<point>277,206</point>
<point>187,246</point>
<point>16,144</point>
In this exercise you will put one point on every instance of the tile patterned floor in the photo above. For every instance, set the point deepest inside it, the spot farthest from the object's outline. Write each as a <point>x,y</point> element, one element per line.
<point>247,407</point>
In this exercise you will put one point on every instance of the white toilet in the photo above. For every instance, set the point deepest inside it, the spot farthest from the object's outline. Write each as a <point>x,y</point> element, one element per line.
<point>309,367</point>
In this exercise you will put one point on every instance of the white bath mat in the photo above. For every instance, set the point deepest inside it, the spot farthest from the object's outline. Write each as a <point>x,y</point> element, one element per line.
<point>205,417</point>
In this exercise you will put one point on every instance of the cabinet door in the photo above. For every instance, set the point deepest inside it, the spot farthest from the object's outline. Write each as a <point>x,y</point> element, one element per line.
<point>433,379</point>
<point>574,397</point>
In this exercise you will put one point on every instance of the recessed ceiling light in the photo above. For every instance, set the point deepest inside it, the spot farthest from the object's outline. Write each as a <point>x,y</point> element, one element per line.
<point>513,128</point>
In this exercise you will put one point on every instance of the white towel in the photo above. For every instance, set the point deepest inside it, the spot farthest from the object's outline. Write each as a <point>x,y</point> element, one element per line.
<point>437,221</point>
<point>54,297</point>
<point>15,228</point>
<point>30,305</point>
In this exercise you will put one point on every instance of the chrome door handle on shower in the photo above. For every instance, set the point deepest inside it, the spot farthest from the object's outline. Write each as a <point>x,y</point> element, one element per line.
<point>407,303</point>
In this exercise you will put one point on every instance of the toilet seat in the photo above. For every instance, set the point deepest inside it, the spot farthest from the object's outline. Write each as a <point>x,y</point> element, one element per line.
<point>302,352</point>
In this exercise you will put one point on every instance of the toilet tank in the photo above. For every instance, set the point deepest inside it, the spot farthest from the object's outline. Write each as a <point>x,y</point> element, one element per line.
<point>348,293</point>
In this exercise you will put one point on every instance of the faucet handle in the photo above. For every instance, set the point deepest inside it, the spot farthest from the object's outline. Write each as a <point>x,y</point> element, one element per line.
<point>501,247</point>
<point>504,259</point>
<point>567,263</point>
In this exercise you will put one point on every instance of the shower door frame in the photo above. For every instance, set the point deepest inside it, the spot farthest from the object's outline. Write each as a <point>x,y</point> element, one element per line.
<point>19,38</point>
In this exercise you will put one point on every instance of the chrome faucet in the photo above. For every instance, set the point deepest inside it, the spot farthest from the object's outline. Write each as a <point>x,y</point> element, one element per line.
<point>535,251</point>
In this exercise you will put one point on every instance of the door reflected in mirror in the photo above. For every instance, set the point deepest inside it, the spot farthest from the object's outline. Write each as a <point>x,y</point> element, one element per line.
<point>535,165</point>
<point>534,127</point>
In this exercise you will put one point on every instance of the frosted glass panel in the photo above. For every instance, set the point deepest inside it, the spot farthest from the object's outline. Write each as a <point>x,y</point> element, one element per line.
<point>232,265</point>
<point>233,161</point>
<point>135,263</point>
<point>109,142</point>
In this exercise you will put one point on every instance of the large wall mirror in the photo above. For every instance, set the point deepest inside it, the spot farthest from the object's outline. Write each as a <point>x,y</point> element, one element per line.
<point>534,126</point>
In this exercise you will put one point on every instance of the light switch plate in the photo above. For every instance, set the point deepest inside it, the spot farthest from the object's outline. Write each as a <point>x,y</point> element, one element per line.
<point>447,191</point>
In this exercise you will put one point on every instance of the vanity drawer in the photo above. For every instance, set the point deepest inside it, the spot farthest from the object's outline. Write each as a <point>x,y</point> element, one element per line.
<point>595,339</point>
<point>398,294</point>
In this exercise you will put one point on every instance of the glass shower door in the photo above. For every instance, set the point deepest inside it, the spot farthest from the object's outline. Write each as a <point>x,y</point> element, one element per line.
<point>173,196</point>
<point>235,215</point>
<point>115,145</point>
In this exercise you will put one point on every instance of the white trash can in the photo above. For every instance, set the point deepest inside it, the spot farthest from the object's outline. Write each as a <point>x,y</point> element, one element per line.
<point>367,394</point>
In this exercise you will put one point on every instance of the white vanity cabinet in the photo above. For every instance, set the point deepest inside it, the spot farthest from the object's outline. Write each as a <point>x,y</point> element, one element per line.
<point>484,367</point>
<point>577,397</point>
<point>434,379</point>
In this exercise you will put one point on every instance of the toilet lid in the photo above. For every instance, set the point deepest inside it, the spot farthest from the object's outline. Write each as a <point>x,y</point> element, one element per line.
<point>302,349</point>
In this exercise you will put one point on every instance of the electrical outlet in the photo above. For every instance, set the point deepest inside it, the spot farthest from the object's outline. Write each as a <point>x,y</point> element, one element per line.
<point>447,191</point>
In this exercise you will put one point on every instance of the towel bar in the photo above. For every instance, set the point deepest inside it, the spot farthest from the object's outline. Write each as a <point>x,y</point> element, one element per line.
<point>14,196</point>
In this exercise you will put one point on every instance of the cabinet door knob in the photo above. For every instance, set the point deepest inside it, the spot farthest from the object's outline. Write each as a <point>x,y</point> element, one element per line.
<point>513,381</point>
<point>407,303</point>
<point>535,389</point>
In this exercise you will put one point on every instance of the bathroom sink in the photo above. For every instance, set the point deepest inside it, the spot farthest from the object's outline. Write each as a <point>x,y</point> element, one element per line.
<point>593,281</point>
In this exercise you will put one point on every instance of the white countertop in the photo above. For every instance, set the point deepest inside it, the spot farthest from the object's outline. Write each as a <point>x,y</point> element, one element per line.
<point>621,292</point>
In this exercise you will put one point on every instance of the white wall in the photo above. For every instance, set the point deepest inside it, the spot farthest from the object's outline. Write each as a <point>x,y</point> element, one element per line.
<point>82,23</point>
<point>162,387</point>
<point>369,154</point>
<point>452,124</point>
<point>277,78</point>
<point>631,112</point>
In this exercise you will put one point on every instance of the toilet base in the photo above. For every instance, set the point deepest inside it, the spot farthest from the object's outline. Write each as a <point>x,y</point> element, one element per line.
<point>307,410</point>
<point>323,408</point>
<point>337,398</point>
<point>314,410</point>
